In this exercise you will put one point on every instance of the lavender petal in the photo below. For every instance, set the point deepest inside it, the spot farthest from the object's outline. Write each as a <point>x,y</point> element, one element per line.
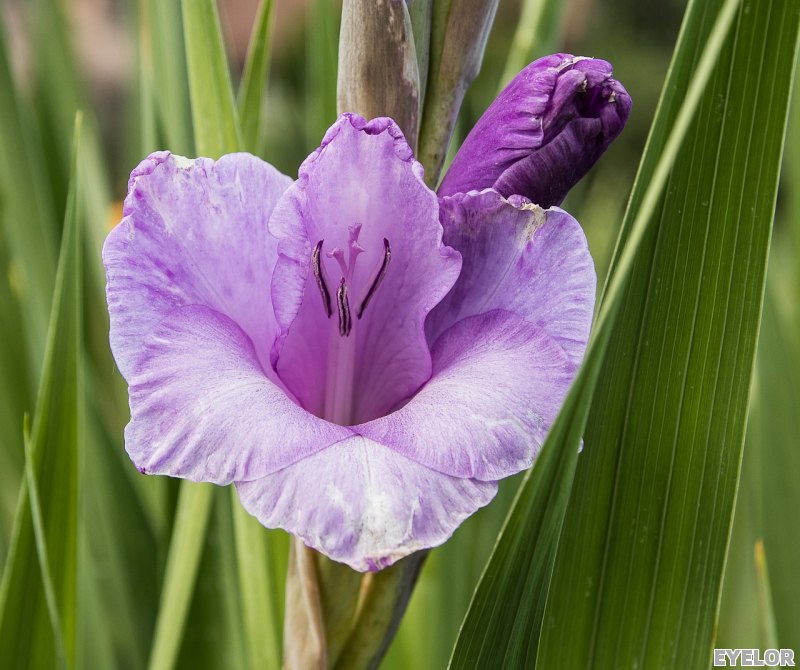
<point>362,504</point>
<point>203,409</point>
<point>518,257</point>
<point>496,387</point>
<point>194,232</point>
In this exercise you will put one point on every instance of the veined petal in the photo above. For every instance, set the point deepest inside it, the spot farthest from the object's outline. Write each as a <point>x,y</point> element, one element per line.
<point>543,132</point>
<point>521,258</point>
<point>194,232</point>
<point>363,504</point>
<point>498,382</point>
<point>364,175</point>
<point>203,409</point>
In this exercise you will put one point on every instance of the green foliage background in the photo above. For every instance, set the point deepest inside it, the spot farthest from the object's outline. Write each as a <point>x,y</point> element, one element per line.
<point>614,558</point>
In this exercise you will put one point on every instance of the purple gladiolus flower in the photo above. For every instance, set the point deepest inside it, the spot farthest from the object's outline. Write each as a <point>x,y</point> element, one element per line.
<point>363,360</point>
<point>543,132</point>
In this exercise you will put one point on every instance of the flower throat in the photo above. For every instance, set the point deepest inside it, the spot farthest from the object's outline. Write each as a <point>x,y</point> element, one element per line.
<point>340,404</point>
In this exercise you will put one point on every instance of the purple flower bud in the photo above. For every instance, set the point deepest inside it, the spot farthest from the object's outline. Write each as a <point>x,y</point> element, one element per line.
<point>543,132</point>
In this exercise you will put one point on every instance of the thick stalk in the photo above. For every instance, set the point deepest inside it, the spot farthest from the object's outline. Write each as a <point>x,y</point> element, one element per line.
<point>322,597</point>
<point>378,70</point>
<point>383,601</point>
<point>303,626</point>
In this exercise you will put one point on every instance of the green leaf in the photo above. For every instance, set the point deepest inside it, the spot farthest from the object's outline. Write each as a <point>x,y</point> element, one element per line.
<point>163,78</point>
<point>215,632</point>
<point>121,552</point>
<point>502,623</point>
<point>641,557</point>
<point>38,592</point>
<point>254,80</point>
<point>738,625</point>
<point>260,612</point>
<point>506,612</point>
<point>774,435</point>
<point>766,610</point>
<point>695,421</point>
<point>28,219</point>
<point>185,550</point>
<point>119,560</point>
<point>771,457</point>
<point>216,129</point>
<point>58,95</point>
<point>536,35</point>
<point>15,398</point>
<point>321,69</point>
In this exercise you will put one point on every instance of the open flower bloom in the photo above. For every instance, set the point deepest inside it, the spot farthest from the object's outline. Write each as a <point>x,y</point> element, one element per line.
<point>362,360</point>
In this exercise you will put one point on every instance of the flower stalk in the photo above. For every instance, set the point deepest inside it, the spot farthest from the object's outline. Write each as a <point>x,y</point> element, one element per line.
<point>304,644</point>
<point>382,602</point>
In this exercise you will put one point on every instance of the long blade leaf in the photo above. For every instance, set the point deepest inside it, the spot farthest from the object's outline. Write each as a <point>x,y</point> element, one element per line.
<point>254,79</point>
<point>502,623</point>
<point>216,130</point>
<point>650,514</point>
<point>185,550</point>
<point>28,218</point>
<point>504,620</point>
<point>163,76</point>
<point>38,592</point>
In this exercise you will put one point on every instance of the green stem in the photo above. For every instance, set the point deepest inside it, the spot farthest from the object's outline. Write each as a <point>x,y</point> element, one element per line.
<point>455,62</point>
<point>383,601</point>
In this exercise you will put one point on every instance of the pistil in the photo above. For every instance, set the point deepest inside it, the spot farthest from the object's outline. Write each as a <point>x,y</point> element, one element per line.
<point>339,405</point>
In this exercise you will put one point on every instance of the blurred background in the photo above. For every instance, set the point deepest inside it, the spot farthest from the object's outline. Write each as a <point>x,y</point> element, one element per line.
<point>57,57</point>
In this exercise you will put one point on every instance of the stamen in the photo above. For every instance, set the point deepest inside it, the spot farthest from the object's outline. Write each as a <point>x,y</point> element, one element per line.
<point>323,288</point>
<point>387,256</point>
<point>345,322</point>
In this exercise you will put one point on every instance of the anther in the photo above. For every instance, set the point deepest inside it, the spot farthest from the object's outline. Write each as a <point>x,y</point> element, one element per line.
<point>343,304</point>
<point>387,256</point>
<point>323,288</point>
